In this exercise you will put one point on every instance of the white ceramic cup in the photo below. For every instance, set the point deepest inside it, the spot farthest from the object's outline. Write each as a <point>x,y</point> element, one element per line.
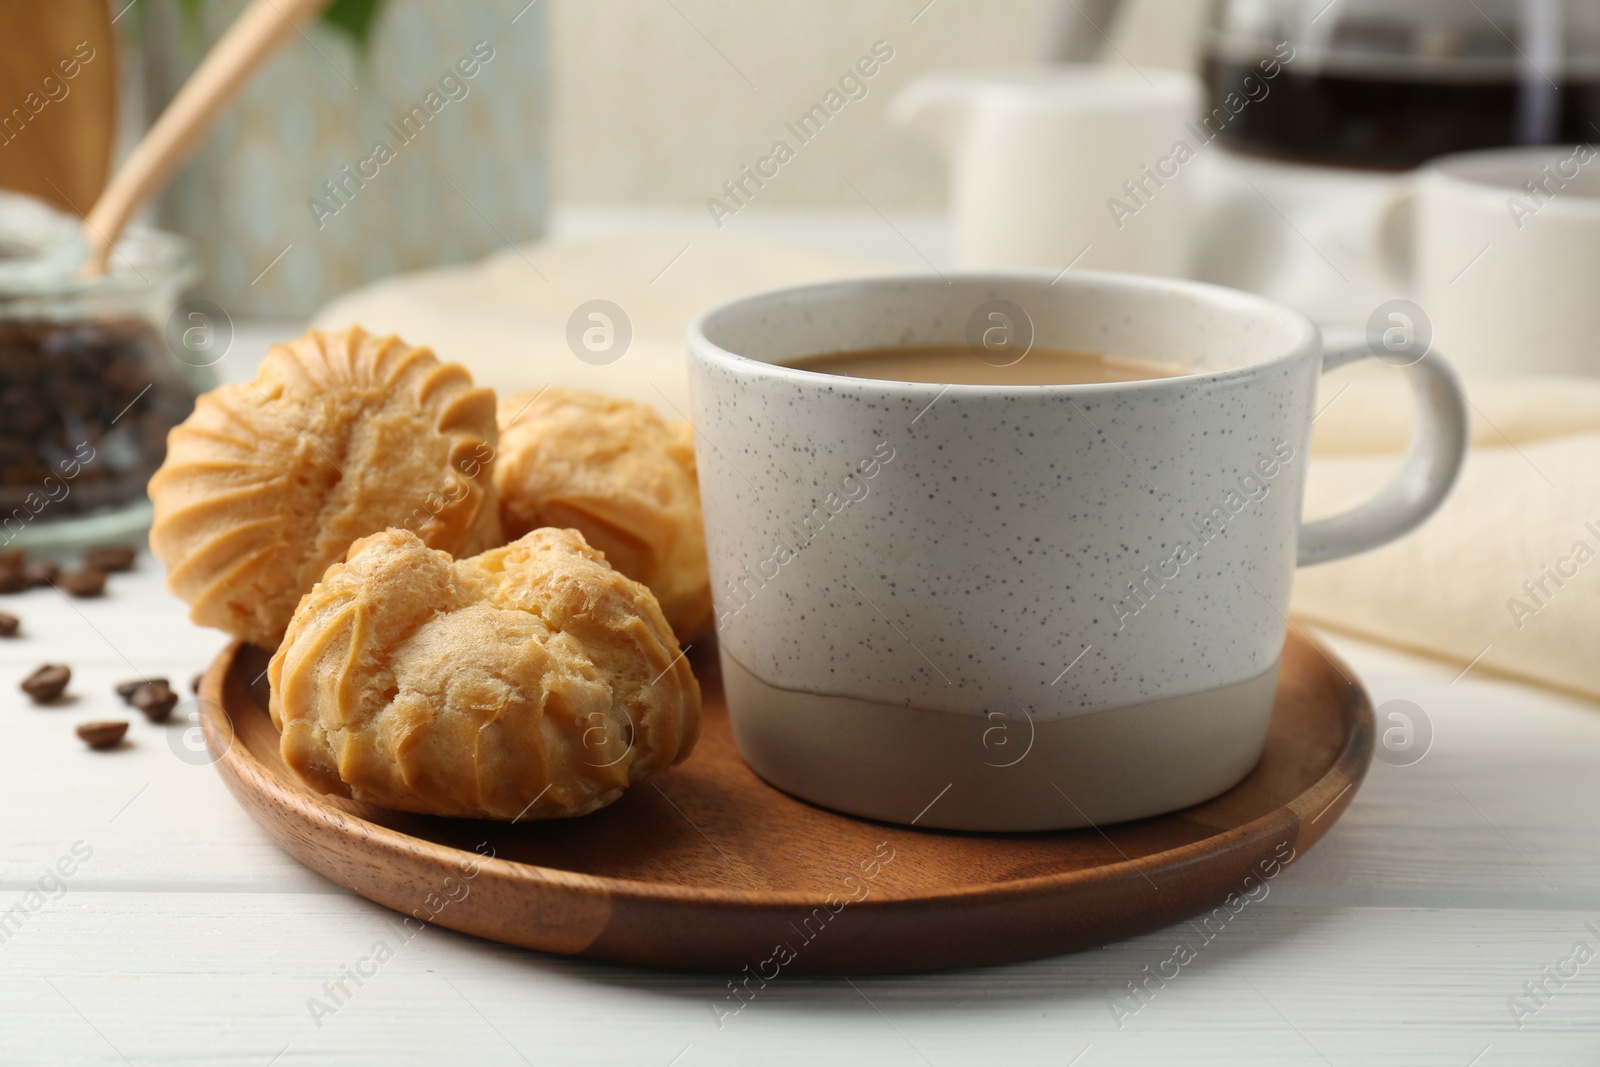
<point>1506,274</point>
<point>1015,607</point>
<point>1038,155</point>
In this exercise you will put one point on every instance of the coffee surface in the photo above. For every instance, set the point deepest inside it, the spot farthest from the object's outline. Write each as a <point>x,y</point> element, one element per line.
<point>959,365</point>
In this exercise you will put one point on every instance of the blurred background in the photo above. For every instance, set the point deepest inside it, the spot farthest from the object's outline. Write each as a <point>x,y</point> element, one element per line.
<point>617,114</point>
<point>615,103</point>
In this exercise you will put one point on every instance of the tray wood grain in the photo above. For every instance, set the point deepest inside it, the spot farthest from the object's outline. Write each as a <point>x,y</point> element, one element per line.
<point>709,868</point>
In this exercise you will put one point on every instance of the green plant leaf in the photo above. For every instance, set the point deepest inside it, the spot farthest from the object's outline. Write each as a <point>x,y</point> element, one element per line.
<point>354,18</point>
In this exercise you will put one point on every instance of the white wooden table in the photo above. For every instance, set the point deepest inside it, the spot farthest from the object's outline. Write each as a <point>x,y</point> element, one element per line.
<point>186,936</point>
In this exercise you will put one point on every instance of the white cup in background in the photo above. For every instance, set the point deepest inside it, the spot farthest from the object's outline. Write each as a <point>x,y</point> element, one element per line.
<point>1037,154</point>
<point>1508,278</point>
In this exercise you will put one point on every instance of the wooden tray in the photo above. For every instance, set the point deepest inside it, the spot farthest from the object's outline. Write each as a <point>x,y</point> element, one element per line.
<point>709,868</point>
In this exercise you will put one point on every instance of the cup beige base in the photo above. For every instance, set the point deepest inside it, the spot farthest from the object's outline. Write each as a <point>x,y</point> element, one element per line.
<point>966,772</point>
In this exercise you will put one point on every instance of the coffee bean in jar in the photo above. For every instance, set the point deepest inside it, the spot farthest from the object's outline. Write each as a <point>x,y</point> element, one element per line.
<point>84,413</point>
<point>88,386</point>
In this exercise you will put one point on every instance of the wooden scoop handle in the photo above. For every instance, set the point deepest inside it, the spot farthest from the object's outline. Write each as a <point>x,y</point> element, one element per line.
<point>254,36</point>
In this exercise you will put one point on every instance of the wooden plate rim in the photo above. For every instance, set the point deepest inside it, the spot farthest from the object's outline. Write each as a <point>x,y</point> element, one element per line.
<point>1349,767</point>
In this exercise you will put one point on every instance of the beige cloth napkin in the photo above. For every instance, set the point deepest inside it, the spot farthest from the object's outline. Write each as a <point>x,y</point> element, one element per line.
<point>1520,514</point>
<point>1507,573</point>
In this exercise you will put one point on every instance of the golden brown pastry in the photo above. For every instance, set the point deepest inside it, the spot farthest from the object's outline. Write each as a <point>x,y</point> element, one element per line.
<point>620,474</point>
<point>340,435</point>
<point>530,682</point>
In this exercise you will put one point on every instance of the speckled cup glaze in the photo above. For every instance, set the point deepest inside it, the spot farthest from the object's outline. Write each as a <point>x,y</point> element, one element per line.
<point>1049,605</point>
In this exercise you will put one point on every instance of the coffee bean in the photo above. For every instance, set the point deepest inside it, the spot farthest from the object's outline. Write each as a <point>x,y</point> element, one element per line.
<point>103,735</point>
<point>40,572</point>
<point>12,557</point>
<point>9,625</point>
<point>155,700</point>
<point>194,683</point>
<point>110,560</point>
<point>84,583</point>
<point>125,690</point>
<point>11,580</point>
<point>47,683</point>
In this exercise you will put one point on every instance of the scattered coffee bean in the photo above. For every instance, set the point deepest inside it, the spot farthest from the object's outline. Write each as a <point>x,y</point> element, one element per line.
<point>11,580</point>
<point>125,690</point>
<point>47,683</point>
<point>155,700</point>
<point>194,683</point>
<point>83,583</point>
<point>12,557</point>
<point>40,572</point>
<point>110,560</point>
<point>9,625</point>
<point>102,734</point>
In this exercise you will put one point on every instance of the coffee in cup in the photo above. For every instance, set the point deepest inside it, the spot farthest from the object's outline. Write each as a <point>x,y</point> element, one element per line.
<point>954,364</point>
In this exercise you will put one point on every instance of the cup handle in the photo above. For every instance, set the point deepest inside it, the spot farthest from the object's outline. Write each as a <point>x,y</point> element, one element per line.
<point>1438,449</point>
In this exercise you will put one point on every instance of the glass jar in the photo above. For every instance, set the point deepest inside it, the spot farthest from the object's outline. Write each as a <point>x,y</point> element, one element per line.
<point>88,389</point>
